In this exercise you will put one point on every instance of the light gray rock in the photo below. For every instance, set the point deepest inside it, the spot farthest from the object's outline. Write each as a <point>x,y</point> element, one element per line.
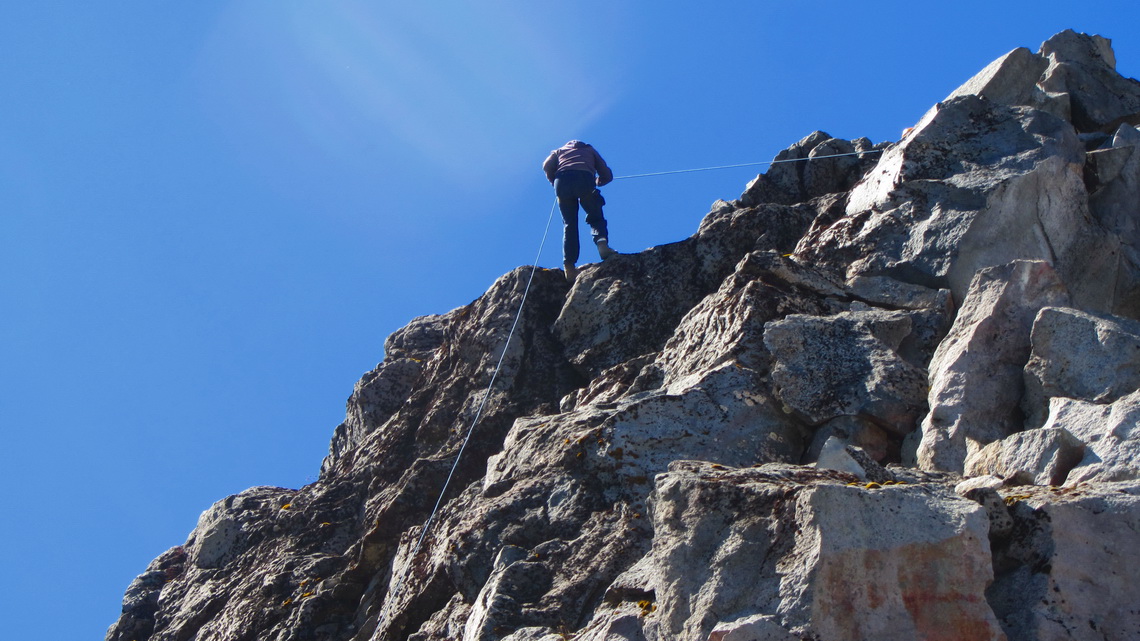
<point>1012,80</point>
<point>834,456</point>
<point>976,376</point>
<point>976,184</point>
<point>715,418</point>
<point>727,234</point>
<point>1068,564</point>
<point>889,292</point>
<point>216,538</point>
<point>986,482</point>
<point>626,627</point>
<point>864,580</point>
<point>719,417</point>
<point>758,627</point>
<point>872,470</point>
<point>798,274</point>
<point>728,325</point>
<point>846,365</point>
<point>1073,76</point>
<point>842,457</point>
<point>1113,181</point>
<point>931,312</point>
<point>1109,433</point>
<point>1112,177</point>
<point>1084,68</point>
<point>819,558</point>
<point>1069,46</point>
<point>928,328</point>
<point>1001,522</point>
<point>731,231</point>
<point>220,535</point>
<point>1045,456</point>
<point>1081,356</point>
<point>534,634</point>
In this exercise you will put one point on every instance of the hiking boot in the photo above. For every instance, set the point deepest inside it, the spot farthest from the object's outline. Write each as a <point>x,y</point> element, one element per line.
<point>604,249</point>
<point>571,271</point>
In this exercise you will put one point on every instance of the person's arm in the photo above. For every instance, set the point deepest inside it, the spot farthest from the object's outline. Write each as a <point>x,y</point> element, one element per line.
<point>605,174</point>
<point>550,166</point>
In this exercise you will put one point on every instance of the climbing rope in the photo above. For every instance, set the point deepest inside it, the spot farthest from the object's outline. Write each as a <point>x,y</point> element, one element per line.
<point>470,430</point>
<point>395,592</point>
<point>748,164</point>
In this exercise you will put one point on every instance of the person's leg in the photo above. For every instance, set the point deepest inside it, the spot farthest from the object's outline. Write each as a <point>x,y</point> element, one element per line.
<point>568,206</point>
<point>599,230</point>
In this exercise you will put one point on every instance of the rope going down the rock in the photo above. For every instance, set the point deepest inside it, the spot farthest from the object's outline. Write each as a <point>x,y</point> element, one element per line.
<point>748,164</point>
<point>391,597</point>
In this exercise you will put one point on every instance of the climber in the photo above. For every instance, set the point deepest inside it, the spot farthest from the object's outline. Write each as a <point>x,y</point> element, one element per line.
<point>577,170</point>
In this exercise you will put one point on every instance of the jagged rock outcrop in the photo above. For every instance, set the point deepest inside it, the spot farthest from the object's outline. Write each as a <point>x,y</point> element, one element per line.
<point>1082,356</point>
<point>1033,457</point>
<point>891,392</point>
<point>976,374</point>
<point>829,559</point>
<point>1057,569</point>
<point>975,184</point>
<point>1112,442</point>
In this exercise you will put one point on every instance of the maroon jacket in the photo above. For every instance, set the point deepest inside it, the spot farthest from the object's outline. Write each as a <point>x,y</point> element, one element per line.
<point>577,156</point>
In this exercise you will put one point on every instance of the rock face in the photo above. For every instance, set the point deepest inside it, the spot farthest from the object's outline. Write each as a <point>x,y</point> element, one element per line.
<point>976,374</point>
<point>891,392</point>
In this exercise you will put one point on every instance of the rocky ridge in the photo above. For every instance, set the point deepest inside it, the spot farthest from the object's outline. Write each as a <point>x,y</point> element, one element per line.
<point>885,396</point>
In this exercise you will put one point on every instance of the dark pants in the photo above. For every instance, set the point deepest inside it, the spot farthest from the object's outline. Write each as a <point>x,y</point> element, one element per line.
<point>574,188</point>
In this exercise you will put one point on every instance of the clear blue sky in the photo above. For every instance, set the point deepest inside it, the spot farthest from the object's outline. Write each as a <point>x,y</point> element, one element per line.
<point>213,213</point>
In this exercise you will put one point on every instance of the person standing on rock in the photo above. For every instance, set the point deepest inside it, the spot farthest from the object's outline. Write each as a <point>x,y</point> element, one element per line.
<point>577,170</point>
